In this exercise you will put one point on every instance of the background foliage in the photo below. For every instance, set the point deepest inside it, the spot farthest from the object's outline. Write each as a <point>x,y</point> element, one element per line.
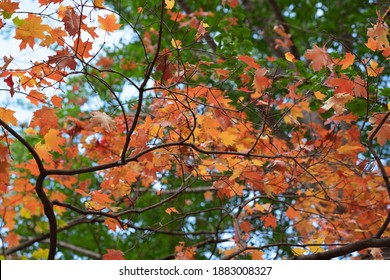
<point>195,130</point>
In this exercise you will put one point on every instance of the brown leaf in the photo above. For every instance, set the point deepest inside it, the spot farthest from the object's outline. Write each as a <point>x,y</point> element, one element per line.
<point>103,120</point>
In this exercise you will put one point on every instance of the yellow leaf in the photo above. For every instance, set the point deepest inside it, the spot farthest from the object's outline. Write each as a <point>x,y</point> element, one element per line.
<point>169,4</point>
<point>289,57</point>
<point>228,138</point>
<point>40,254</point>
<point>53,140</point>
<point>299,251</point>
<point>25,213</point>
<point>176,43</point>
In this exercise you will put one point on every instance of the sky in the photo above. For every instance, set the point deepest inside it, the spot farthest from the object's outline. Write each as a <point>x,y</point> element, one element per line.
<point>10,47</point>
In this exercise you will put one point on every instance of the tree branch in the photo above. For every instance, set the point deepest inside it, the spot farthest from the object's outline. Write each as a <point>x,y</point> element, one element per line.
<point>347,249</point>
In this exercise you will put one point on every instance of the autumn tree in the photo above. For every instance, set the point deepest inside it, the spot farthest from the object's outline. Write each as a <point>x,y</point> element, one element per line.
<point>194,129</point>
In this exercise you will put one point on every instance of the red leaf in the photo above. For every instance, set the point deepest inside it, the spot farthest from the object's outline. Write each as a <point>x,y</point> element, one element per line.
<point>72,22</point>
<point>10,83</point>
<point>113,255</point>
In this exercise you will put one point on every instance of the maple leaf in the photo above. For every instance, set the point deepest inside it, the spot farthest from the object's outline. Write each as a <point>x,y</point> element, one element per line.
<point>29,29</point>
<point>319,58</point>
<point>246,226</point>
<point>337,102</point>
<point>103,120</point>
<point>7,116</point>
<point>201,30</point>
<point>46,2</point>
<point>171,210</point>
<point>7,61</point>
<point>10,83</point>
<point>8,7</point>
<point>35,96</point>
<point>176,43</point>
<point>261,82</point>
<point>113,255</point>
<point>53,140</point>
<point>269,221</point>
<point>319,95</point>
<point>290,57</point>
<point>109,23</point>
<point>257,255</point>
<point>378,35</point>
<point>62,59</point>
<point>383,134</point>
<point>112,224</point>
<point>250,61</point>
<point>56,101</point>
<point>169,4</point>
<point>291,213</point>
<point>228,138</point>
<point>72,22</point>
<point>373,70</point>
<point>98,4</point>
<point>347,61</point>
<point>82,48</point>
<point>45,118</point>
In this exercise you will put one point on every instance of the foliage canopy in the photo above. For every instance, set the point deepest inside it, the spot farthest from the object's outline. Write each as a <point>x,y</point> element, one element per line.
<point>195,129</point>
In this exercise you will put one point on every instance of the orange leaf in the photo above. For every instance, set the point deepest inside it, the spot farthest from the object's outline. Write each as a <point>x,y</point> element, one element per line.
<point>45,118</point>
<point>46,2</point>
<point>98,4</point>
<point>53,140</point>
<point>250,61</point>
<point>347,61</point>
<point>112,224</point>
<point>208,195</point>
<point>8,6</point>
<point>56,101</point>
<point>169,210</point>
<point>269,221</point>
<point>261,82</point>
<point>35,96</point>
<point>29,29</point>
<point>319,95</point>
<point>291,213</point>
<point>257,255</point>
<point>109,23</point>
<point>246,226</point>
<point>113,255</point>
<point>8,116</point>
<point>101,198</point>
<point>383,133</point>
